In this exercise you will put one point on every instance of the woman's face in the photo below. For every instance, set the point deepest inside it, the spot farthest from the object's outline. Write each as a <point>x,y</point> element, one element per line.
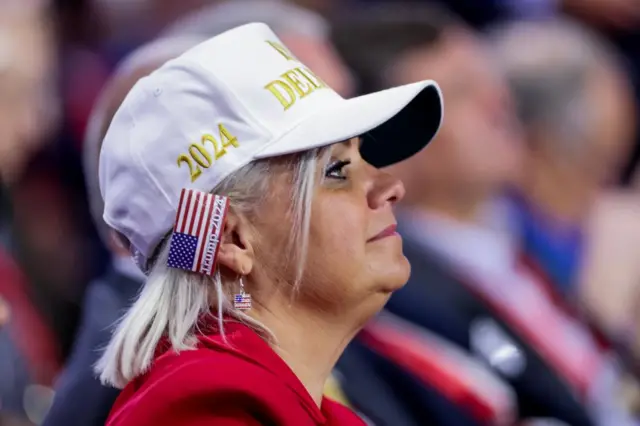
<point>354,254</point>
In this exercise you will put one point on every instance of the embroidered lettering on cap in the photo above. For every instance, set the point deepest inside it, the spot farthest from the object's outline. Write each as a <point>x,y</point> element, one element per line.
<point>293,85</point>
<point>198,155</point>
<point>286,53</point>
<point>217,220</point>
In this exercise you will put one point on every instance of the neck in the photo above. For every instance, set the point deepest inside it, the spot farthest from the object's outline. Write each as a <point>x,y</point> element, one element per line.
<point>309,345</point>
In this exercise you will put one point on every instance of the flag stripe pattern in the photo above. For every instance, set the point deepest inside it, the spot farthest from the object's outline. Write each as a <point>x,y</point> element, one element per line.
<point>197,231</point>
<point>242,301</point>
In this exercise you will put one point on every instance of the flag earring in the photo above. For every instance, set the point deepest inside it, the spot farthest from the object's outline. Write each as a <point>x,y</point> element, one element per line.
<point>195,241</point>
<point>242,300</point>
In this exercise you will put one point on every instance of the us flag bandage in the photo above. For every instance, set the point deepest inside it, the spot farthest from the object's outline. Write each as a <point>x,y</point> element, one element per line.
<point>198,228</point>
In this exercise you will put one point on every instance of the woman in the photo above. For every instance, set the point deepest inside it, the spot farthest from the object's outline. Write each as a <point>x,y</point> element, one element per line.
<point>236,178</point>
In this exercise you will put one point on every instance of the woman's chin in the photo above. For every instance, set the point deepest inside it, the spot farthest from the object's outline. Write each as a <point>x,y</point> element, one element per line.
<point>396,276</point>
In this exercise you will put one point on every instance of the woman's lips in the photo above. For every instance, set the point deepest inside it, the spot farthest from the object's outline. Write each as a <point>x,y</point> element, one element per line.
<point>389,231</point>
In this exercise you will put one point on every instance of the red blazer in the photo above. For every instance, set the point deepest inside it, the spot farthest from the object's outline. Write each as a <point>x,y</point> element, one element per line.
<point>242,384</point>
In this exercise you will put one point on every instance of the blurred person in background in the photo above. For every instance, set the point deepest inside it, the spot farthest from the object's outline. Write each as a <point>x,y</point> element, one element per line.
<point>617,20</point>
<point>306,33</point>
<point>607,14</point>
<point>80,398</point>
<point>431,380</point>
<point>470,283</point>
<point>27,70</point>
<point>29,352</point>
<point>577,107</point>
<point>579,113</point>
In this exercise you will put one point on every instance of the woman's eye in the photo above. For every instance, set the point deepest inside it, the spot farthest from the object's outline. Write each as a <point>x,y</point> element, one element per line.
<point>335,170</point>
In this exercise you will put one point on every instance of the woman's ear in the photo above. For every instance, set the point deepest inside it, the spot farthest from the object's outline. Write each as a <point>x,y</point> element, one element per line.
<point>236,252</point>
<point>118,244</point>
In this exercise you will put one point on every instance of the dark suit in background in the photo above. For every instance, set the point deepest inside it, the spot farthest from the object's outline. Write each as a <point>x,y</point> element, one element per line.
<point>80,399</point>
<point>29,354</point>
<point>437,300</point>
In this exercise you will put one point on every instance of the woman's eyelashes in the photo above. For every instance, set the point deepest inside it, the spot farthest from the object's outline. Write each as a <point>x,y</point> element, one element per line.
<point>336,169</point>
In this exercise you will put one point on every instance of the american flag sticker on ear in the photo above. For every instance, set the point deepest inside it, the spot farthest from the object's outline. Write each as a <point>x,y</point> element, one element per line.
<point>197,232</point>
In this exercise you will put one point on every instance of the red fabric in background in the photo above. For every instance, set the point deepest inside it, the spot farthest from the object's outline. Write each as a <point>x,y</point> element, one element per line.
<point>27,328</point>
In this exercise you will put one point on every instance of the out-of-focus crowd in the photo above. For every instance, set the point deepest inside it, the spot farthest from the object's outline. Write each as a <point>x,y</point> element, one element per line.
<point>522,224</point>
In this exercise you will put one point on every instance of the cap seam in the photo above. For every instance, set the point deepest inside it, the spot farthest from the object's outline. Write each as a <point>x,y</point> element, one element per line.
<point>148,175</point>
<point>106,216</point>
<point>234,98</point>
<point>137,157</point>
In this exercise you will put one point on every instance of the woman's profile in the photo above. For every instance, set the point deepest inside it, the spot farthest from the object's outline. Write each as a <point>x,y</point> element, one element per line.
<point>250,194</point>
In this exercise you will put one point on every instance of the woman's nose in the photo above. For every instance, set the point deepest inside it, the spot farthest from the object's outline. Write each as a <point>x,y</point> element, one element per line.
<point>387,189</point>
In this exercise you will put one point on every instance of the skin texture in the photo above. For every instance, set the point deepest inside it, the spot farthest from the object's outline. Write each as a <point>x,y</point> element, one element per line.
<point>5,313</point>
<point>479,146</point>
<point>607,14</point>
<point>348,275</point>
<point>585,171</point>
<point>26,102</point>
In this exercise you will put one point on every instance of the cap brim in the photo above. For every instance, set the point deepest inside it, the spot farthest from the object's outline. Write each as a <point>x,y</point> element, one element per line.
<point>394,123</point>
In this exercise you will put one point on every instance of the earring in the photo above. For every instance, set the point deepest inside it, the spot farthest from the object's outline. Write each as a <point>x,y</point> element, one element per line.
<point>242,300</point>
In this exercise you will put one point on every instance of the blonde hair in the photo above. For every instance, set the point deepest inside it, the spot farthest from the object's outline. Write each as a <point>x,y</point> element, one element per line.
<point>172,301</point>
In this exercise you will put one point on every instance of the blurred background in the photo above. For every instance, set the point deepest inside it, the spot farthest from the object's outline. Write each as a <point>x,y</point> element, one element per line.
<point>527,204</point>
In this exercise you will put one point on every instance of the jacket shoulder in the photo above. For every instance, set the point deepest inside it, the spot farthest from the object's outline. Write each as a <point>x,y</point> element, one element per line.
<point>200,386</point>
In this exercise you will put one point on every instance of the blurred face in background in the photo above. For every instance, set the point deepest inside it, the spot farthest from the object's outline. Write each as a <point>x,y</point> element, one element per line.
<point>614,122</point>
<point>26,101</point>
<point>479,145</point>
<point>321,56</point>
<point>594,158</point>
<point>4,312</point>
<point>136,20</point>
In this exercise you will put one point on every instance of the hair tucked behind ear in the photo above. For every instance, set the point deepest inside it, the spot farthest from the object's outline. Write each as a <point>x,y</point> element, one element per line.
<point>172,300</point>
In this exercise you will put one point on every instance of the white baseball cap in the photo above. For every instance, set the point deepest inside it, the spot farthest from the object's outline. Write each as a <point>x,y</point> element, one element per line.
<point>236,98</point>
